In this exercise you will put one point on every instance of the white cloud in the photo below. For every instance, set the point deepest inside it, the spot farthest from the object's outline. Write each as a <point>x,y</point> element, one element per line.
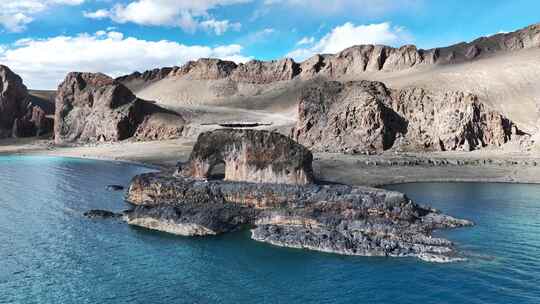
<point>43,63</point>
<point>220,27</point>
<point>187,14</point>
<point>99,14</point>
<point>306,41</point>
<point>348,34</point>
<point>349,7</point>
<point>15,15</point>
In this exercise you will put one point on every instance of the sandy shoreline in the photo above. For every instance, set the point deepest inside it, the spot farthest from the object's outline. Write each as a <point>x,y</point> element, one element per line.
<point>373,170</point>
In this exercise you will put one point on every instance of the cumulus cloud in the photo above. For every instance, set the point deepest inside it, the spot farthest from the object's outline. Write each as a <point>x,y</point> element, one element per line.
<point>220,27</point>
<point>15,15</point>
<point>43,63</point>
<point>189,15</point>
<point>347,35</point>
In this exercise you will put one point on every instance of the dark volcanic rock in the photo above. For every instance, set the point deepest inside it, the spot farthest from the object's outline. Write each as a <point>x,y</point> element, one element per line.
<point>114,187</point>
<point>250,155</point>
<point>95,107</point>
<point>331,218</point>
<point>101,214</point>
<point>368,116</point>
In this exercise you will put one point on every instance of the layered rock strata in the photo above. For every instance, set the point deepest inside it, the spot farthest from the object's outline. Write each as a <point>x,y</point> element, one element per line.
<point>330,218</point>
<point>249,155</point>
<point>94,107</point>
<point>367,116</point>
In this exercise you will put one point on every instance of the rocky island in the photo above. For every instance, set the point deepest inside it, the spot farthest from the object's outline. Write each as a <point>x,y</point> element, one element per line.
<point>268,187</point>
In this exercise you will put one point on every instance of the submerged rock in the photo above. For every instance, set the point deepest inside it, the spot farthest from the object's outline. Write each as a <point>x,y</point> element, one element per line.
<point>114,187</point>
<point>97,213</point>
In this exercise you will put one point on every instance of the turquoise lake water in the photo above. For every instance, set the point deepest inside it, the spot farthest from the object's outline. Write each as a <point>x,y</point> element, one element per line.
<point>50,253</point>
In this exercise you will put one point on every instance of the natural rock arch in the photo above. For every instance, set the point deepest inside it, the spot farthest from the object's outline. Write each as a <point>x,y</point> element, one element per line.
<point>252,156</point>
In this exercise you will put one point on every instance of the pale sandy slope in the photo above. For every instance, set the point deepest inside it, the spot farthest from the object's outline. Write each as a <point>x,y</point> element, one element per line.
<point>508,82</point>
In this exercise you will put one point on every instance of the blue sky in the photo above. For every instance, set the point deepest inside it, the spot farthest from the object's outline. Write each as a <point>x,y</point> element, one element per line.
<point>44,39</point>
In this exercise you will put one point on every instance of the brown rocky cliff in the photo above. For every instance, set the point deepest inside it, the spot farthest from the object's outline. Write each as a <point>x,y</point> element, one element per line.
<point>367,116</point>
<point>95,107</point>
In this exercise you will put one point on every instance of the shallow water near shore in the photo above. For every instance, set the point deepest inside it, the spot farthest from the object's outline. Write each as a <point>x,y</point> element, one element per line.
<point>51,253</point>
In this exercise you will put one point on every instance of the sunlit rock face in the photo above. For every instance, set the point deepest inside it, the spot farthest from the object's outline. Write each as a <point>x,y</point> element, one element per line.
<point>250,155</point>
<point>94,107</point>
<point>359,116</point>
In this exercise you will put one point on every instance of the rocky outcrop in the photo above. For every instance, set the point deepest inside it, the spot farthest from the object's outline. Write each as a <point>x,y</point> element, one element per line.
<point>351,61</point>
<point>94,107</point>
<point>250,155</point>
<point>19,117</point>
<point>261,72</point>
<point>367,116</point>
<point>160,125</point>
<point>136,80</point>
<point>331,218</point>
<point>206,68</point>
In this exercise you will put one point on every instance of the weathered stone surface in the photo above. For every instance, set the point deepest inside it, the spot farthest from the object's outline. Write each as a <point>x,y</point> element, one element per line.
<point>101,214</point>
<point>257,71</point>
<point>250,155</point>
<point>34,123</point>
<point>368,116</point>
<point>206,68</point>
<point>332,218</point>
<point>135,80</point>
<point>19,117</point>
<point>160,126</point>
<point>95,107</point>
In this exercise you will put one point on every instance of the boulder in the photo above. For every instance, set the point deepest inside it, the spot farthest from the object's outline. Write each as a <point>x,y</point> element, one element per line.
<point>363,116</point>
<point>250,155</point>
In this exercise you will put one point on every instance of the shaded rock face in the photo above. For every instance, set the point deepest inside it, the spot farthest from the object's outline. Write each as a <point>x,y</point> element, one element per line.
<point>367,116</point>
<point>331,218</point>
<point>95,107</point>
<point>19,117</point>
<point>352,61</point>
<point>250,155</point>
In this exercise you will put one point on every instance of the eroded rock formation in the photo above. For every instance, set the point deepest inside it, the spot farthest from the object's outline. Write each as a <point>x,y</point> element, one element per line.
<point>368,116</point>
<point>95,107</point>
<point>331,218</point>
<point>249,155</point>
<point>19,117</point>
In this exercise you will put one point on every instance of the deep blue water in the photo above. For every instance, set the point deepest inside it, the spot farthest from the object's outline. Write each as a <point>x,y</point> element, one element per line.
<point>50,253</point>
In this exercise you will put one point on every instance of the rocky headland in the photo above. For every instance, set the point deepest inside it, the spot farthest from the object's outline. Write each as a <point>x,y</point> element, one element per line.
<point>291,212</point>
